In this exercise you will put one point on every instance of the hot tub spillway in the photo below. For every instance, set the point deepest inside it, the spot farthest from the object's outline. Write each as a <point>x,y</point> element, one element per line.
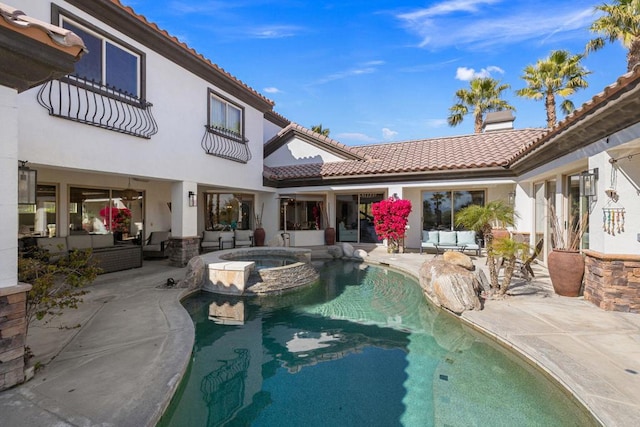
<point>234,271</point>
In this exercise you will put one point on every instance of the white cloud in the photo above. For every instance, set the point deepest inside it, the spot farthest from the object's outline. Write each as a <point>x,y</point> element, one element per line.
<point>355,137</point>
<point>447,7</point>
<point>388,134</point>
<point>365,68</point>
<point>271,90</point>
<point>436,123</point>
<point>275,31</point>
<point>466,74</point>
<point>480,26</point>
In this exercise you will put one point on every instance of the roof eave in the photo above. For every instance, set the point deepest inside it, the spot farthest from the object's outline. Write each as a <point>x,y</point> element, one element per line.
<point>604,116</point>
<point>373,178</point>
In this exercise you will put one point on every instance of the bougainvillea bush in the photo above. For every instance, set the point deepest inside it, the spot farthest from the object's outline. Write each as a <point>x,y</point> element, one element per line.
<point>390,219</point>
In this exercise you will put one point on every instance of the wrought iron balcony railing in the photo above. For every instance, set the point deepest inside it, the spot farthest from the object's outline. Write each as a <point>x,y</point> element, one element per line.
<point>226,144</point>
<point>86,101</point>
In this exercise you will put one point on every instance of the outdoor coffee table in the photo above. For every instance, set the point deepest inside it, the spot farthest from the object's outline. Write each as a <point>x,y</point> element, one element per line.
<point>442,248</point>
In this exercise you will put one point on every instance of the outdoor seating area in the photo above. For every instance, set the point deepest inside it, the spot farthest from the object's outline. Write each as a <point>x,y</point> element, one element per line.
<point>218,240</point>
<point>107,255</point>
<point>440,241</point>
<point>156,245</point>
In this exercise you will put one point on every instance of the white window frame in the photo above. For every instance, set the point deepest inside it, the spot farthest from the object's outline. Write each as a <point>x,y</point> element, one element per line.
<point>216,99</point>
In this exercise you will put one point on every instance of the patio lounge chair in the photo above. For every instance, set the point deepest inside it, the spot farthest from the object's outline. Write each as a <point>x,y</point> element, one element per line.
<point>156,245</point>
<point>243,238</point>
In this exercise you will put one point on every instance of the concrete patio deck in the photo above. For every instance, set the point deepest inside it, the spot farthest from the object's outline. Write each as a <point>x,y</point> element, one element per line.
<point>121,366</point>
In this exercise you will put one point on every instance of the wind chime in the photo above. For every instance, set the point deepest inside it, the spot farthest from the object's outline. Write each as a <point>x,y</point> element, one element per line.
<point>613,220</point>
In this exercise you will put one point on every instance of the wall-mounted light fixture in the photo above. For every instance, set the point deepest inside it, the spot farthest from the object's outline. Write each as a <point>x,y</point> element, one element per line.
<point>193,199</point>
<point>588,180</point>
<point>27,182</point>
<point>511,198</point>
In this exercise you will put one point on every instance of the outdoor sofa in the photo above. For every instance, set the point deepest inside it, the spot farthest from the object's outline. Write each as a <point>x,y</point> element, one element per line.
<point>441,240</point>
<point>107,255</point>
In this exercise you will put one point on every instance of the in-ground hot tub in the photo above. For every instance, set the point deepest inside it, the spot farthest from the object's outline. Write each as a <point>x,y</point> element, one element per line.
<point>257,270</point>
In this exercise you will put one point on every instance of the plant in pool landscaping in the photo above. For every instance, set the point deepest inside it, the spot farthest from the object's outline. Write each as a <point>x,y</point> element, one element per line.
<point>390,220</point>
<point>56,286</point>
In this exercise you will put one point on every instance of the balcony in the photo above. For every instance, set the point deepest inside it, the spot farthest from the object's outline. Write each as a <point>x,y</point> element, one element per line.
<point>91,103</point>
<point>226,144</point>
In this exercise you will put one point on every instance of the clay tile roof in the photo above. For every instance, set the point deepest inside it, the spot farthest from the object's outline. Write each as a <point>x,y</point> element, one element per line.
<point>188,49</point>
<point>610,93</point>
<point>477,151</point>
<point>62,38</point>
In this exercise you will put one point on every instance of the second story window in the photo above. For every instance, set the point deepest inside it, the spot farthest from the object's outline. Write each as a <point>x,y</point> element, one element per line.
<point>107,63</point>
<point>224,131</point>
<point>225,116</point>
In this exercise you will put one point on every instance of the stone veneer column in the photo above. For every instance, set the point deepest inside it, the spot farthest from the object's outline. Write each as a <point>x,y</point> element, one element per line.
<point>181,250</point>
<point>13,329</point>
<point>612,282</point>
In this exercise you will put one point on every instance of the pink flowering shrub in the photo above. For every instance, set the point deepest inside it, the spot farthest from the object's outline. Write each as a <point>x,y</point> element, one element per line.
<point>390,220</point>
<point>116,219</point>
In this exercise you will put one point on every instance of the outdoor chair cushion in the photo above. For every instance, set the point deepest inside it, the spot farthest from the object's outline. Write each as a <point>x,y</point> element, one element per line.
<point>447,238</point>
<point>226,239</point>
<point>79,241</point>
<point>466,238</point>
<point>210,240</point>
<point>243,238</point>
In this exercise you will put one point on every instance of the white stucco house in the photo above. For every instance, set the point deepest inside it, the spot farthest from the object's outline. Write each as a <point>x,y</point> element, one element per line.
<point>145,125</point>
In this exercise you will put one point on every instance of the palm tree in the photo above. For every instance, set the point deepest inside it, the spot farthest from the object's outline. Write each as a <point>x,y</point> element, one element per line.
<point>560,74</point>
<point>320,130</point>
<point>621,21</point>
<point>482,219</point>
<point>483,96</point>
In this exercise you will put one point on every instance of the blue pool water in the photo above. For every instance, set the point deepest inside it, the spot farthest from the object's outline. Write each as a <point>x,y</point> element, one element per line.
<point>361,348</point>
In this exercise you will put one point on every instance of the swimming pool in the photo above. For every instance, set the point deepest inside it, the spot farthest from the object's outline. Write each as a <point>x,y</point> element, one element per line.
<point>362,347</point>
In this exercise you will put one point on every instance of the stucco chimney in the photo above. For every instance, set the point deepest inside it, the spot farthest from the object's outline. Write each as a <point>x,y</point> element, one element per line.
<point>498,120</point>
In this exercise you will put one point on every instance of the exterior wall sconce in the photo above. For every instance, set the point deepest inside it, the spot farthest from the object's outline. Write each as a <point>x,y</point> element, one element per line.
<point>588,182</point>
<point>27,183</point>
<point>511,198</point>
<point>193,199</point>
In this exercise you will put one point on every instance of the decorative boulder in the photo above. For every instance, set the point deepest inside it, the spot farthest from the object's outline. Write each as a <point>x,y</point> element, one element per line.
<point>458,258</point>
<point>276,241</point>
<point>360,254</point>
<point>194,277</point>
<point>335,251</point>
<point>347,249</point>
<point>450,286</point>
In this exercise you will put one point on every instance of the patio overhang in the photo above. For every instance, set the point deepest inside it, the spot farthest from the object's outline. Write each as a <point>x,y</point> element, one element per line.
<point>609,112</point>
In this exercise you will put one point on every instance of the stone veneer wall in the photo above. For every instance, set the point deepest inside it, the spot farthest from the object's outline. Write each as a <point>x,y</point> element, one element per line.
<point>612,282</point>
<point>13,329</point>
<point>181,250</point>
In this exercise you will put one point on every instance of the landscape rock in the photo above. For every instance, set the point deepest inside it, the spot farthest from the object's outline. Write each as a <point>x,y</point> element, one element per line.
<point>458,258</point>
<point>360,254</point>
<point>347,249</point>
<point>335,251</point>
<point>194,277</point>
<point>276,241</point>
<point>450,286</point>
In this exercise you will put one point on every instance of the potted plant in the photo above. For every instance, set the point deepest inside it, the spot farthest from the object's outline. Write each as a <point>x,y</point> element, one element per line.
<point>565,262</point>
<point>259,233</point>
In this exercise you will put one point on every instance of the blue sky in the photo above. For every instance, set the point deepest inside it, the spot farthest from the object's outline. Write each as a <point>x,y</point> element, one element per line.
<point>375,71</point>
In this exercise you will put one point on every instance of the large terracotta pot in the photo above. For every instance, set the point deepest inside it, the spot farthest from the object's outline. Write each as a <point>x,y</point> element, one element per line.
<point>330,236</point>
<point>258,236</point>
<point>566,269</point>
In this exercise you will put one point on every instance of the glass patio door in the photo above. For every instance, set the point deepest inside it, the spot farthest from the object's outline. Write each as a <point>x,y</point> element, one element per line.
<point>354,219</point>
